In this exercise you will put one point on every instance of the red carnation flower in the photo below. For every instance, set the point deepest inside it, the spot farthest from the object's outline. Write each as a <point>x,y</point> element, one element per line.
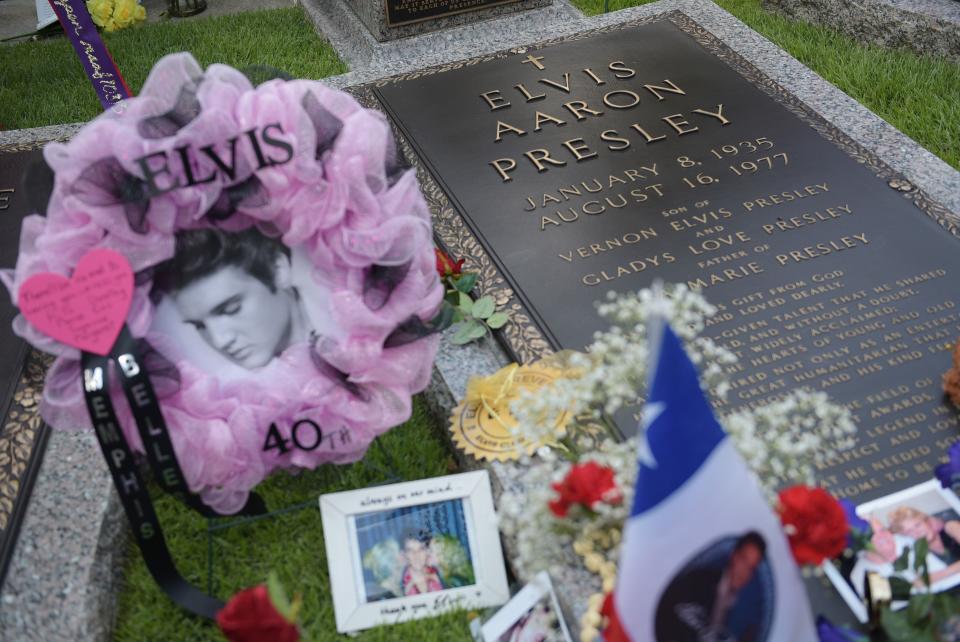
<point>586,484</point>
<point>815,524</point>
<point>446,266</point>
<point>250,616</point>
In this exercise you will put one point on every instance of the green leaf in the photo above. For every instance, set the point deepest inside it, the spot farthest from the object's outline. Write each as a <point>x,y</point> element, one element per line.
<point>898,628</point>
<point>466,282</point>
<point>920,550</point>
<point>484,307</point>
<point>477,331</point>
<point>465,304</point>
<point>919,607</point>
<point>498,320</point>
<point>902,562</point>
<point>900,588</point>
<point>278,595</point>
<point>944,606</point>
<point>468,331</point>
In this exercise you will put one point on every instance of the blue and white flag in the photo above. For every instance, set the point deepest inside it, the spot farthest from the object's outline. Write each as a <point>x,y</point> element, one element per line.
<point>704,558</point>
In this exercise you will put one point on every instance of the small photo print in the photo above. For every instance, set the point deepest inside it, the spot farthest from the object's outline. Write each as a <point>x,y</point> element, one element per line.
<point>413,550</point>
<point>533,615</point>
<point>898,521</point>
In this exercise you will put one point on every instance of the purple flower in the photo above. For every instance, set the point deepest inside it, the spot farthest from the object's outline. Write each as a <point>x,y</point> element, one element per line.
<point>949,472</point>
<point>855,521</point>
<point>828,632</point>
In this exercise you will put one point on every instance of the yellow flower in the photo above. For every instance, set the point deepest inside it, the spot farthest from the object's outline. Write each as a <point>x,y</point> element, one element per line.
<point>140,13</point>
<point>111,25</point>
<point>100,11</point>
<point>123,12</point>
<point>126,12</point>
<point>494,394</point>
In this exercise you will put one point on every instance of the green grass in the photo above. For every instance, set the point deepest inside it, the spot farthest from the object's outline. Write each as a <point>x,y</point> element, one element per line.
<point>291,544</point>
<point>918,95</point>
<point>42,83</point>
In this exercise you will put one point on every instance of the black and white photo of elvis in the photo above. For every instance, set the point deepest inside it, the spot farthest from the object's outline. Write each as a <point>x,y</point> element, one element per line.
<point>236,290</point>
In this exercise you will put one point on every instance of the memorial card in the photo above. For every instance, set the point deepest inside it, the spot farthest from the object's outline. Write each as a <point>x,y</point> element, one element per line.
<point>532,615</point>
<point>412,550</point>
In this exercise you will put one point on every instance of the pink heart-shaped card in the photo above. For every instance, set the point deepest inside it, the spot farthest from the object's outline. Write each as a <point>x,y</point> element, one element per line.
<point>86,311</point>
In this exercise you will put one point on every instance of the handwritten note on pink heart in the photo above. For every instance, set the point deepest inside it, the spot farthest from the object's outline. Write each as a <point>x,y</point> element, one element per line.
<point>86,311</point>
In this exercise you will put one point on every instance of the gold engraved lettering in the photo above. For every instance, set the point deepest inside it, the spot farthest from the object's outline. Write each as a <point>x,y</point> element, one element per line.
<point>540,156</point>
<point>673,89</point>
<point>565,87</point>
<point>504,128</point>
<point>494,99</point>
<point>679,126</point>
<point>577,147</point>
<point>530,98</point>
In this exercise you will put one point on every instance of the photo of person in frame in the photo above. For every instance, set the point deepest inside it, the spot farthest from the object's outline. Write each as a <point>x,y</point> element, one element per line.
<point>724,595</point>
<point>897,522</point>
<point>942,535</point>
<point>235,289</point>
<point>414,550</point>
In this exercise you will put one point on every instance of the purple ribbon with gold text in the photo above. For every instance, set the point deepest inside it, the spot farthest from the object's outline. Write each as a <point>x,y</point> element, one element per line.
<point>96,60</point>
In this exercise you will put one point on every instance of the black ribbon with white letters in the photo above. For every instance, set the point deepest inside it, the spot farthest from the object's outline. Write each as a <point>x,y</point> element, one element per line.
<point>153,429</point>
<point>163,462</point>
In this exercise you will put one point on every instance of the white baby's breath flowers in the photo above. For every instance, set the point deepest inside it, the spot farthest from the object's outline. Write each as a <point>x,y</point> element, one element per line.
<point>787,440</point>
<point>614,368</point>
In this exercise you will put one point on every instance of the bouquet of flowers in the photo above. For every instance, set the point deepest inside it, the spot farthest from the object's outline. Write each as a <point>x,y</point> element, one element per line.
<point>113,15</point>
<point>574,500</point>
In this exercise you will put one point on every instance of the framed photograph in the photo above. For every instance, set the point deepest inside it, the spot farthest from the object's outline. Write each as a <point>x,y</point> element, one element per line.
<point>922,511</point>
<point>412,550</point>
<point>533,615</point>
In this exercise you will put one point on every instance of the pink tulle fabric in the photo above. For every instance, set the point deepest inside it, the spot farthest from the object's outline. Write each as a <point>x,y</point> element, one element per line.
<point>343,207</point>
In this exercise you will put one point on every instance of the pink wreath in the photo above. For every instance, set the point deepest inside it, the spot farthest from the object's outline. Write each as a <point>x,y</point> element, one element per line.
<point>202,164</point>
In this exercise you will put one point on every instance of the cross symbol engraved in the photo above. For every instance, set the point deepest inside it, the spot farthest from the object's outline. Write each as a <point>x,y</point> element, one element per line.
<point>535,60</point>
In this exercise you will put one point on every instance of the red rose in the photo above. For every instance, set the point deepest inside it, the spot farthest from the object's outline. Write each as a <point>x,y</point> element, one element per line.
<point>446,266</point>
<point>250,616</point>
<point>815,524</point>
<point>586,484</point>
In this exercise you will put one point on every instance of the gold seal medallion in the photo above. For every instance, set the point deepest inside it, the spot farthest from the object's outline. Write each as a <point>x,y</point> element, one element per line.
<point>481,425</point>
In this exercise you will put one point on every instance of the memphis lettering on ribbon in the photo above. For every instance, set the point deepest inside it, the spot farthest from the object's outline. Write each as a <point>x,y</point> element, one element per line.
<point>128,482</point>
<point>96,60</point>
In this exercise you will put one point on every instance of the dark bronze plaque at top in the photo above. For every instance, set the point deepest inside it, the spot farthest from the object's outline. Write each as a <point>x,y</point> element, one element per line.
<point>654,151</point>
<point>401,12</point>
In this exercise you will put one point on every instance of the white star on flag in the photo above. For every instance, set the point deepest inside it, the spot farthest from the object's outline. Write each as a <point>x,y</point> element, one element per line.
<point>649,415</point>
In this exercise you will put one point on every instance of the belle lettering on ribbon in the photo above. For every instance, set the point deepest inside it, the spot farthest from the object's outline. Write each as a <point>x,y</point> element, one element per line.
<point>88,311</point>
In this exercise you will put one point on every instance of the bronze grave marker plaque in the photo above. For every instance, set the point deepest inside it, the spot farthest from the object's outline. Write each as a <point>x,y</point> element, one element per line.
<point>654,151</point>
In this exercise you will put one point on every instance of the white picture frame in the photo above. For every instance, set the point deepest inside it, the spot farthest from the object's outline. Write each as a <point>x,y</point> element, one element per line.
<point>366,526</point>
<point>929,497</point>
<point>503,625</point>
